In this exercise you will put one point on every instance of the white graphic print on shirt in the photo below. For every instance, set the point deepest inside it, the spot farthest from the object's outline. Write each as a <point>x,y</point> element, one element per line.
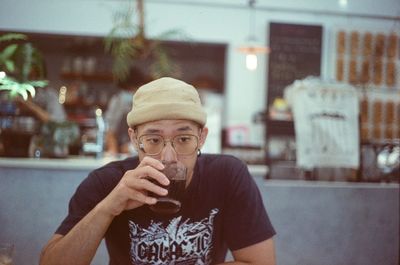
<point>180,242</point>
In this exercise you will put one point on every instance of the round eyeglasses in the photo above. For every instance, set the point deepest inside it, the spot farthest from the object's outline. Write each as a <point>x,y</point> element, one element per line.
<point>183,144</point>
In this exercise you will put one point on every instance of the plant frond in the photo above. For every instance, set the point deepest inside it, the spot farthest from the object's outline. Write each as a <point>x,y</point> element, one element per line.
<point>9,65</point>
<point>126,42</point>
<point>23,93</point>
<point>24,88</point>
<point>15,89</point>
<point>38,83</point>
<point>163,64</point>
<point>174,33</point>
<point>12,36</point>
<point>8,51</point>
<point>20,59</point>
<point>120,67</point>
<point>5,57</point>
<point>26,67</point>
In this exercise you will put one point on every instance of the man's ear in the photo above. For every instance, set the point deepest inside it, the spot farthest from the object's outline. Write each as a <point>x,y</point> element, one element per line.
<point>203,136</point>
<point>133,138</point>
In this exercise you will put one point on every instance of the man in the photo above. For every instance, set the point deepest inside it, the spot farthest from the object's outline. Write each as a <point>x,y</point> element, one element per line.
<point>117,140</point>
<point>221,208</point>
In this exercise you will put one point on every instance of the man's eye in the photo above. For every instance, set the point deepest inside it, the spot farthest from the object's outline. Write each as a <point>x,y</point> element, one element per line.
<point>184,139</point>
<point>153,140</point>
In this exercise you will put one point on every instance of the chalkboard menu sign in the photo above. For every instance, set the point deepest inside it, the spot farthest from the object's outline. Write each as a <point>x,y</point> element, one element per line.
<point>295,54</point>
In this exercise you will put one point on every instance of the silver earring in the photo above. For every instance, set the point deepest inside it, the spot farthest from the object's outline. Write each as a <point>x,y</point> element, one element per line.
<point>198,152</point>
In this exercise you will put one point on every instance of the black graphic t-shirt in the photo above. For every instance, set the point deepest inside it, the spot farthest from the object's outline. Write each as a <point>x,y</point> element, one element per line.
<point>222,208</point>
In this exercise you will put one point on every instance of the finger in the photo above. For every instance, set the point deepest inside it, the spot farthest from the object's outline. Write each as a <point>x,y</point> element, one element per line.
<point>149,172</point>
<point>150,161</point>
<point>142,198</point>
<point>148,185</point>
<point>146,179</point>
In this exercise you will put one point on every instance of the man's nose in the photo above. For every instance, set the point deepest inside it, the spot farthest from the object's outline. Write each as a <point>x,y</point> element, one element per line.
<point>168,153</point>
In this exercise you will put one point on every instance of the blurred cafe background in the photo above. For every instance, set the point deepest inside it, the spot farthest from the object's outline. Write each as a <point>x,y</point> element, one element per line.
<point>307,93</point>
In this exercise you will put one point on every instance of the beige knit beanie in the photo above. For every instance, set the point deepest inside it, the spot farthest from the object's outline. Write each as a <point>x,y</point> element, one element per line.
<point>166,98</point>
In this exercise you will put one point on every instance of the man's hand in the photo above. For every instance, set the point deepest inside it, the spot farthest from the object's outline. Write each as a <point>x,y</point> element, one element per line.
<point>132,190</point>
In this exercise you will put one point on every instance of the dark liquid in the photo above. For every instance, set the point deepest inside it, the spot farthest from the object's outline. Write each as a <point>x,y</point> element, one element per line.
<point>170,204</point>
<point>166,206</point>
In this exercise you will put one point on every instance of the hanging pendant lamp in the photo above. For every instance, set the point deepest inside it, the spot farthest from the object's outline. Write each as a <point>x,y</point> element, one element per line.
<point>252,47</point>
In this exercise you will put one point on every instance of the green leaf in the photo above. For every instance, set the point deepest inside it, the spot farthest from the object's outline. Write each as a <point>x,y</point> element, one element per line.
<point>12,36</point>
<point>38,83</point>
<point>14,88</point>
<point>22,92</point>
<point>22,89</point>
<point>10,66</point>
<point>8,51</point>
<point>29,88</point>
<point>27,51</point>
<point>21,58</point>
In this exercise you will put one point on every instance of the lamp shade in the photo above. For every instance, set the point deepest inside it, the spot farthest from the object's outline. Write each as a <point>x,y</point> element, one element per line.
<point>253,48</point>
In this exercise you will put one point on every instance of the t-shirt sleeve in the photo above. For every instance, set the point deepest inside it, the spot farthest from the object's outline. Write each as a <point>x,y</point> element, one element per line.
<point>246,220</point>
<point>88,194</point>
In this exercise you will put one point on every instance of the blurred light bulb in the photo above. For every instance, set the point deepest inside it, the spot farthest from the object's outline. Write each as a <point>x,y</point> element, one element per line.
<point>343,3</point>
<point>99,112</point>
<point>251,61</point>
<point>62,94</point>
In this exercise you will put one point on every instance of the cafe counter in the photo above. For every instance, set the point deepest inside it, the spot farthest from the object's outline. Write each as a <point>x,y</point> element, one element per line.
<point>70,163</point>
<point>317,222</point>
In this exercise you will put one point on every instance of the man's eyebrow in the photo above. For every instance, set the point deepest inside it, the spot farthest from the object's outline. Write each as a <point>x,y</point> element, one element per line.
<point>151,131</point>
<point>158,131</point>
<point>184,129</point>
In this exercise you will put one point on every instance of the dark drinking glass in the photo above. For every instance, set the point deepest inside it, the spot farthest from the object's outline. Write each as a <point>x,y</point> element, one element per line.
<point>171,203</point>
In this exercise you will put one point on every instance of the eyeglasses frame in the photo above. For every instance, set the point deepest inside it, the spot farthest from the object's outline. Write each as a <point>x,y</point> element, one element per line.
<point>165,141</point>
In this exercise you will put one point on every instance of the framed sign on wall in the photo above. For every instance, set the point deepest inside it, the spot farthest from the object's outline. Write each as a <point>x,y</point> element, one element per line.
<point>295,54</point>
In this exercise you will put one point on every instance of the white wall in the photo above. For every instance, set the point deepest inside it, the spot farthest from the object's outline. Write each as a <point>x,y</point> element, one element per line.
<point>211,21</point>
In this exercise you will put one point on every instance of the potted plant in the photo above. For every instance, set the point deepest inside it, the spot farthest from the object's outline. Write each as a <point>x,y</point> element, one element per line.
<point>18,59</point>
<point>127,42</point>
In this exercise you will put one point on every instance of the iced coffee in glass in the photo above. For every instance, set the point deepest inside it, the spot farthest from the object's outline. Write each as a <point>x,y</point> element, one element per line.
<point>171,203</point>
